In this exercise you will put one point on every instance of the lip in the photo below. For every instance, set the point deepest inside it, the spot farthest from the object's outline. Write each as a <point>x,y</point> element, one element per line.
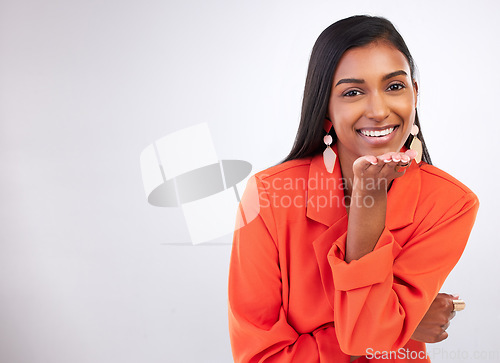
<point>376,128</point>
<point>380,139</point>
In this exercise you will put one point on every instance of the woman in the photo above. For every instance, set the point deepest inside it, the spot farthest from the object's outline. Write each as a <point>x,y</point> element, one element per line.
<point>343,247</point>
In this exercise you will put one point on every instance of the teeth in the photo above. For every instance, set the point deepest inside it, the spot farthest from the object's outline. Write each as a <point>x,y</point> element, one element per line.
<point>377,133</point>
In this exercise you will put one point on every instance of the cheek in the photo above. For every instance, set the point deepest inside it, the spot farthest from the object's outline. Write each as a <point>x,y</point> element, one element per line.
<point>344,116</point>
<point>407,113</point>
<point>406,108</point>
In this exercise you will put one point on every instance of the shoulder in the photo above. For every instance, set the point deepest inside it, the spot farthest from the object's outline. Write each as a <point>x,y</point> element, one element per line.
<point>438,187</point>
<point>279,175</point>
<point>277,193</point>
<point>441,179</point>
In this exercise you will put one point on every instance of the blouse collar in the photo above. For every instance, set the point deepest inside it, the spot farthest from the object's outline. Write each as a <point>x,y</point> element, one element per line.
<point>325,195</point>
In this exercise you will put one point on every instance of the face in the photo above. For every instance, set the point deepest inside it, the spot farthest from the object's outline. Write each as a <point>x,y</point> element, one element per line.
<point>373,100</point>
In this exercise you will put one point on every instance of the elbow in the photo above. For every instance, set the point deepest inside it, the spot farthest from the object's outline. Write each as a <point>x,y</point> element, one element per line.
<point>362,342</point>
<point>355,347</point>
<point>368,347</point>
<point>352,342</point>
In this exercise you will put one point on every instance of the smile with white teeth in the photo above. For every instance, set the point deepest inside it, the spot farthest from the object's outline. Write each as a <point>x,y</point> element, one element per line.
<point>377,133</point>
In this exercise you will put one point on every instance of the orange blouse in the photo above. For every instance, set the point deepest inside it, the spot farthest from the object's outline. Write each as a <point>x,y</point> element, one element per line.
<point>293,298</point>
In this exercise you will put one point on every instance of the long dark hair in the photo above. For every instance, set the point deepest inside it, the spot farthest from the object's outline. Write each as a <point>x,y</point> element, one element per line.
<point>333,42</point>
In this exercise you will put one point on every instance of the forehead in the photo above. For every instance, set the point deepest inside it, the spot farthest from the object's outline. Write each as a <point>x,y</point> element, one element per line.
<point>372,60</point>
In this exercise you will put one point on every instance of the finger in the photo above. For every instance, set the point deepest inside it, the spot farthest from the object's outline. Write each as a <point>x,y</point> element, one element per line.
<point>444,295</point>
<point>450,305</point>
<point>396,157</point>
<point>365,161</point>
<point>446,326</point>
<point>452,315</point>
<point>403,164</point>
<point>371,159</point>
<point>386,158</point>
<point>386,162</point>
<point>406,159</point>
<point>395,162</point>
<point>411,153</point>
<point>442,337</point>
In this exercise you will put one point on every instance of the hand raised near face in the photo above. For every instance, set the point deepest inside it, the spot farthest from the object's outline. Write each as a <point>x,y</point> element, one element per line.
<point>376,172</point>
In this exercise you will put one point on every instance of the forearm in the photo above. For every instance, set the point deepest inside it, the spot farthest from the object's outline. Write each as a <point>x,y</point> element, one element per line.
<point>381,298</point>
<point>367,214</point>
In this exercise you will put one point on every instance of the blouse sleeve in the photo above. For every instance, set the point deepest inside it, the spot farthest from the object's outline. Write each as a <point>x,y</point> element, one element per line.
<point>258,326</point>
<point>381,298</point>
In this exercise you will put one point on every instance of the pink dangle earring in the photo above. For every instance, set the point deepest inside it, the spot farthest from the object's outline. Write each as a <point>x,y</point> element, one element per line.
<point>329,155</point>
<point>416,144</point>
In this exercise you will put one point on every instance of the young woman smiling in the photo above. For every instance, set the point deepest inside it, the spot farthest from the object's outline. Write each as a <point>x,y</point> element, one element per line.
<point>354,272</point>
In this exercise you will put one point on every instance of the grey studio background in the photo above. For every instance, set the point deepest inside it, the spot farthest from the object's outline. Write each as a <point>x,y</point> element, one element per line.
<point>89,271</point>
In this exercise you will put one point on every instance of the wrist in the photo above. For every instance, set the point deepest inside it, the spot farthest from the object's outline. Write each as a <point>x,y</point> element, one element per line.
<point>376,188</point>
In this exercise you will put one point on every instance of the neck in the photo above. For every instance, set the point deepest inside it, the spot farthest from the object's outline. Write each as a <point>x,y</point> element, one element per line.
<point>346,160</point>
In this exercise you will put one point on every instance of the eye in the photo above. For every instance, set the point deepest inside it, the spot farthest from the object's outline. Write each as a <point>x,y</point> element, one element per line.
<point>351,93</point>
<point>396,87</point>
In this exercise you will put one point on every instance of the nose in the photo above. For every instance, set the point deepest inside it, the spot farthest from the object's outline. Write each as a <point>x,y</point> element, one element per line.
<point>377,108</point>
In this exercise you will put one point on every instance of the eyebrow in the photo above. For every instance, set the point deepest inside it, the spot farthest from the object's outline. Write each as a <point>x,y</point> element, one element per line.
<point>384,78</point>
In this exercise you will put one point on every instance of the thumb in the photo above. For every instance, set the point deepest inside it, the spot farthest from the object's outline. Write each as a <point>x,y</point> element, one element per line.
<point>366,160</point>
